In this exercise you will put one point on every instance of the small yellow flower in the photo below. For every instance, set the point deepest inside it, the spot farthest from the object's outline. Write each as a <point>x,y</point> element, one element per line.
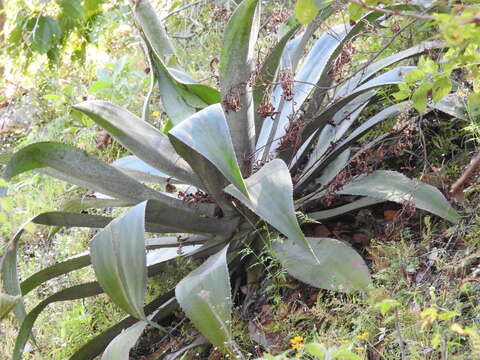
<point>296,339</point>
<point>462,93</point>
<point>363,336</point>
<point>457,328</point>
<point>297,346</point>
<point>359,348</point>
<point>343,341</point>
<point>298,356</point>
<point>155,113</point>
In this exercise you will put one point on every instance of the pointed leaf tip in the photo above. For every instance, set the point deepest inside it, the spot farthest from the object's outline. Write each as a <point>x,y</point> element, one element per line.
<point>271,198</point>
<point>207,133</point>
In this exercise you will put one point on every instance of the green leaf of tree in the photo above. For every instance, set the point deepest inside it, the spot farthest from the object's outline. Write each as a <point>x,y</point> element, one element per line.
<point>46,33</point>
<point>305,11</point>
<point>420,96</point>
<point>441,88</point>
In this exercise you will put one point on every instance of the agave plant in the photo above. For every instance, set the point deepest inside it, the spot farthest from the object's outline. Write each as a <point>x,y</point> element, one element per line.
<point>231,153</point>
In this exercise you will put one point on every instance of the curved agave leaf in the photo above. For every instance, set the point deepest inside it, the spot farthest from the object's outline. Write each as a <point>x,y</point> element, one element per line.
<point>207,133</point>
<point>118,258</point>
<point>73,263</point>
<point>393,186</point>
<point>452,105</point>
<point>181,95</point>
<point>354,205</point>
<point>76,205</point>
<point>391,77</point>
<point>205,93</point>
<point>271,198</point>
<point>96,345</point>
<point>67,219</point>
<point>119,348</point>
<point>153,81</point>
<point>175,105</point>
<point>140,170</point>
<point>7,303</point>
<point>236,66</point>
<point>336,265</point>
<point>9,272</point>
<point>81,168</point>
<point>184,220</point>
<point>154,31</point>
<point>356,134</point>
<point>204,295</point>
<point>164,305</point>
<point>142,139</point>
<point>195,95</point>
<point>178,100</point>
<point>310,73</point>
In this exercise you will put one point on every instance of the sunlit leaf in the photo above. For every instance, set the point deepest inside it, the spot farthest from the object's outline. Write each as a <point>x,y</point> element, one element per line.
<point>441,88</point>
<point>46,33</point>
<point>79,168</point>
<point>420,96</point>
<point>142,139</point>
<point>305,11</point>
<point>98,85</point>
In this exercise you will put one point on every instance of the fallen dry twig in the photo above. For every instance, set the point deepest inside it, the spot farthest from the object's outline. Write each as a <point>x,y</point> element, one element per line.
<point>457,188</point>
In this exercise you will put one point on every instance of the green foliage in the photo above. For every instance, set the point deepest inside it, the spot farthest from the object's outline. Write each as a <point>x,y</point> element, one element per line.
<point>39,32</point>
